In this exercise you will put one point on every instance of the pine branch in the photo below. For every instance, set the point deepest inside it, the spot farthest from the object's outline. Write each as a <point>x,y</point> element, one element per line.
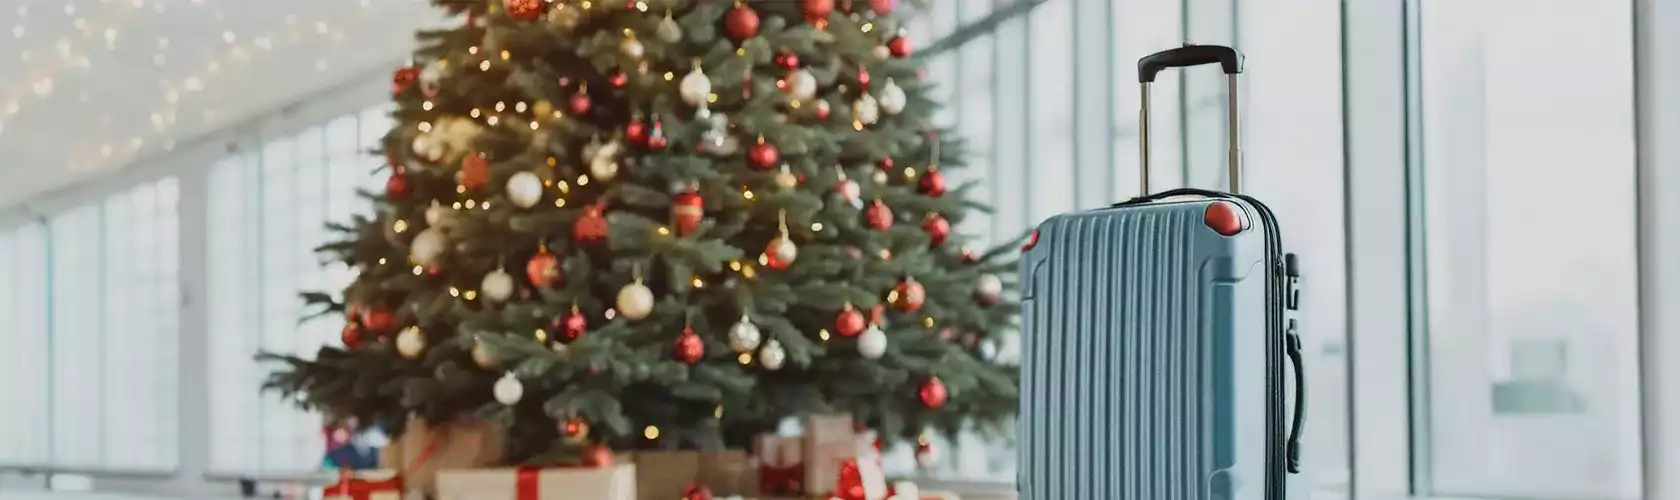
<point>977,29</point>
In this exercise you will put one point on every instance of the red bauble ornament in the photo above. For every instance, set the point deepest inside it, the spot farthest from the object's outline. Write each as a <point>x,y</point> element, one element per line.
<point>908,295</point>
<point>899,46</point>
<point>763,155</point>
<point>572,325</point>
<point>475,171</point>
<point>780,253</point>
<point>849,322</point>
<point>591,227</point>
<point>878,314</point>
<point>822,110</point>
<point>597,455</point>
<point>689,347</point>
<point>817,11</point>
<point>397,186</point>
<point>636,131</point>
<point>617,79</point>
<point>697,491</point>
<point>887,165</point>
<point>657,140</point>
<point>379,320</point>
<point>579,103</point>
<point>882,6</point>
<point>788,60</point>
<point>863,76</point>
<point>687,209</point>
<point>937,228</point>
<point>403,77</point>
<point>969,256</point>
<point>525,10</point>
<point>878,215</point>
<point>574,428</point>
<point>742,22</point>
<point>351,336</point>
<point>849,486</point>
<point>932,183</point>
<point>932,393</point>
<point>543,269</point>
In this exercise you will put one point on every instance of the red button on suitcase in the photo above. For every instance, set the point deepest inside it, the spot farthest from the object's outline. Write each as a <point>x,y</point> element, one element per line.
<point>1155,334</point>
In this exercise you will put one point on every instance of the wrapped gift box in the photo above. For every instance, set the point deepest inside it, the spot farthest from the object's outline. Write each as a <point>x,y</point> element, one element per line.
<point>367,485</point>
<point>781,465</point>
<point>662,475</point>
<point>616,482</point>
<point>423,449</point>
<point>830,441</point>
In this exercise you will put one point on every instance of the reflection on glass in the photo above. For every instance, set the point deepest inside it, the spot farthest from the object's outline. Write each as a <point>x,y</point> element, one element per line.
<point>1531,283</point>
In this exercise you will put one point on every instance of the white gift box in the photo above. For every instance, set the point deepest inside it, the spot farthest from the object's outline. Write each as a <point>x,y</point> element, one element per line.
<point>617,482</point>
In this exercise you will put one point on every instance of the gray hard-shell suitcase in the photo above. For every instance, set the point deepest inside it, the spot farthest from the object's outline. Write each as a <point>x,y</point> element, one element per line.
<point>1154,340</point>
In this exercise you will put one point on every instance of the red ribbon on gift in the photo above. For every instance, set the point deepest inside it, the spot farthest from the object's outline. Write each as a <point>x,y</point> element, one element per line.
<point>358,488</point>
<point>526,483</point>
<point>788,480</point>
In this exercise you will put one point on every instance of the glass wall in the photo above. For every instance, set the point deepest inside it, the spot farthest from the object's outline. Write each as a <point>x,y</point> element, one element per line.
<point>92,299</point>
<point>1529,241</point>
<point>268,209</point>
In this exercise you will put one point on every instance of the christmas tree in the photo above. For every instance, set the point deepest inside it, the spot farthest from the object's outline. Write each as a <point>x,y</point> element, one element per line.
<point>665,223</point>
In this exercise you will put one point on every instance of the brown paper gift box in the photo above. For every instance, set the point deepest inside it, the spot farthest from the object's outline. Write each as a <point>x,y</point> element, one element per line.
<point>662,475</point>
<point>830,440</point>
<point>617,482</point>
<point>423,449</point>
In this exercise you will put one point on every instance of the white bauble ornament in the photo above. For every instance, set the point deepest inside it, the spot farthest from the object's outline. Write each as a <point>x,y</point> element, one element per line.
<point>635,301</point>
<point>872,343</point>
<point>497,286</point>
<point>881,52</point>
<point>428,246</point>
<point>668,31</point>
<point>783,251</point>
<point>745,336</point>
<point>603,161</point>
<point>411,343</point>
<point>987,288</point>
<point>892,98</point>
<point>438,214</point>
<point>987,349</point>
<point>524,189</point>
<point>508,390</point>
<point>483,357</point>
<point>772,356</point>
<point>866,110</point>
<point>695,87</point>
<point>802,84</point>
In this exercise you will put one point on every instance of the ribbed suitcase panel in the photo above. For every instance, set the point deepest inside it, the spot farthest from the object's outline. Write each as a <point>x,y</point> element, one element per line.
<point>1118,376</point>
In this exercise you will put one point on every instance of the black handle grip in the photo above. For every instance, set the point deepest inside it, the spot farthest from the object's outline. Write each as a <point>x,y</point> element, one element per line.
<point>1189,55</point>
<point>1293,446</point>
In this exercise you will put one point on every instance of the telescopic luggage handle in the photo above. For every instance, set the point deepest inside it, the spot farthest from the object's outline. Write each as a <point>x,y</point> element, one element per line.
<point>1183,57</point>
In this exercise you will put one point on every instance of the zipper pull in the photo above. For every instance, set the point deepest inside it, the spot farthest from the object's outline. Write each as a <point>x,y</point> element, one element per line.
<point>1292,282</point>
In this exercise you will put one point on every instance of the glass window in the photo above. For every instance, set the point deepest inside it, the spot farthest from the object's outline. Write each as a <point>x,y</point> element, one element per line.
<point>24,366</point>
<point>77,332</point>
<point>1292,160</point>
<point>1530,249</point>
<point>268,210</point>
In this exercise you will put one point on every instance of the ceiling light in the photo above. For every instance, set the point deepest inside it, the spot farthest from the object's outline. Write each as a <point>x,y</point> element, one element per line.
<point>17,31</point>
<point>43,86</point>
<point>192,83</point>
<point>227,36</point>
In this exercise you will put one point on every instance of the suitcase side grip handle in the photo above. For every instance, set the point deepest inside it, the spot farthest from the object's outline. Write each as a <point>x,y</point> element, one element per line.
<point>1293,445</point>
<point>1189,55</point>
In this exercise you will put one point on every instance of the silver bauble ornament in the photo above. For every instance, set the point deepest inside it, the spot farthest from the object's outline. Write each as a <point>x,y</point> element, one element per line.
<point>745,336</point>
<point>772,356</point>
<point>892,98</point>
<point>635,301</point>
<point>428,246</point>
<point>497,286</point>
<point>524,189</point>
<point>411,343</point>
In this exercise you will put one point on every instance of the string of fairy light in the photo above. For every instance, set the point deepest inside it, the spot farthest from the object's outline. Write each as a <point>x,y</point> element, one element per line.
<point>105,26</point>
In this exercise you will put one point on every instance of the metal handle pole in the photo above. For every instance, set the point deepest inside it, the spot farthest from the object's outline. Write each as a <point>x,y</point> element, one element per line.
<point>1143,142</point>
<point>1233,149</point>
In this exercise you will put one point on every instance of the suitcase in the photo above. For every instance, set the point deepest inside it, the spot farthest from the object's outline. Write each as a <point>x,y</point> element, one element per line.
<point>1155,335</point>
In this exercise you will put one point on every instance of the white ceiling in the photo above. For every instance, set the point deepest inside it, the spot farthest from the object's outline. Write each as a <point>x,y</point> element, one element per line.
<point>88,86</point>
